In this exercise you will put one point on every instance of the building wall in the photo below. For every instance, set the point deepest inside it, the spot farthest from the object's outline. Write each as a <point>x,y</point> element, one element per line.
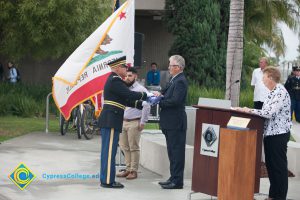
<point>156,44</point>
<point>39,72</point>
<point>150,4</point>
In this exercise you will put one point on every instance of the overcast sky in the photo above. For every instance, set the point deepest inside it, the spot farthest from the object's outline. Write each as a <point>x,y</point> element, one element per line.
<point>291,41</point>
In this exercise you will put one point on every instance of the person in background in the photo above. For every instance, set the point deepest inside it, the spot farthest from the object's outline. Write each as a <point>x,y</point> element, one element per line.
<point>260,90</point>
<point>173,121</point>
<point>153,76</point>
<point>276,110</point>
<point>133,123</point>
<point>12,73</point>
<point>292,85</point>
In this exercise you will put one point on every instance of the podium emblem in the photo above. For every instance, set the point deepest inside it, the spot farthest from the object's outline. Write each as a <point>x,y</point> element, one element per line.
<point>210,140</point>
<point>209,136</point>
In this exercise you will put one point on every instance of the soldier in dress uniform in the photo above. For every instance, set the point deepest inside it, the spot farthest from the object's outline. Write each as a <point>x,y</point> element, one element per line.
<point>116,97</point>
<point>292,85</point>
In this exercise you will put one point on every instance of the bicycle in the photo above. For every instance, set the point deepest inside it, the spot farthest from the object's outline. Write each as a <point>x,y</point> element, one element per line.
<point>88,121</point>
<point>74,119</point>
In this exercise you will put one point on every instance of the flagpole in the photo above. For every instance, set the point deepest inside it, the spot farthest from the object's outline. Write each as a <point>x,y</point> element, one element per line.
<point>116,5</point>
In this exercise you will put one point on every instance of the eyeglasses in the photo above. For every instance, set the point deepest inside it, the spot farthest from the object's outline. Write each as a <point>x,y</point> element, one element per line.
<point>173,65</point>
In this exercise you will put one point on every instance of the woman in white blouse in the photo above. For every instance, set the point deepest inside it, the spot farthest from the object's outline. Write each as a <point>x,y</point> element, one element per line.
<point>276,110</point>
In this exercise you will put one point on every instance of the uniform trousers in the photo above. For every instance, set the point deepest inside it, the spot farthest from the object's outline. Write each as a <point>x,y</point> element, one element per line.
<point>176,151</point>
<point>129,143</point>
<point>110,139</point>
<point>295,107</point>
<point>276,163</point>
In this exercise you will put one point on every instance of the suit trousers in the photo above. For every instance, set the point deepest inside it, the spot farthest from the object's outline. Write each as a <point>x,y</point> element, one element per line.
<point>110,139</point>
<point>176,152</point>
<point>276,163</point>
<point>129,143</point>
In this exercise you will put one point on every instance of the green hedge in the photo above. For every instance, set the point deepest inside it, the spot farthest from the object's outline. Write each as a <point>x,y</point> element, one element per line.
<point>195,91</point>
<point>24,100</point>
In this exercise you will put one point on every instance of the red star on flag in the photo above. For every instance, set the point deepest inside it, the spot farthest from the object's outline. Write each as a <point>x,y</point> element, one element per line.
<point>122,15</point>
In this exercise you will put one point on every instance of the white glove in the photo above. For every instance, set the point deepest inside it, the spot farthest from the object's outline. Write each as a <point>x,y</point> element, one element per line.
<point>150,94</point>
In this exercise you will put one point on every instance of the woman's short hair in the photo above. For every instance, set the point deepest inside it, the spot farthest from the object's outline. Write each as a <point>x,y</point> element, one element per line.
<point>273,73</point>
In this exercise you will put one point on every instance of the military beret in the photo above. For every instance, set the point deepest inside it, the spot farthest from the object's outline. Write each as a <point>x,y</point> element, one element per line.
<point>118,61</point>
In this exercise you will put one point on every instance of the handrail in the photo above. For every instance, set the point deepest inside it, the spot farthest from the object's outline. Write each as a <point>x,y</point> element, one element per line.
<point>47,112</point>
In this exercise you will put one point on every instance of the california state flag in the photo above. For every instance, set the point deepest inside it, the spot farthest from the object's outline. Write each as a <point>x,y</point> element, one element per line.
<point>84,73</point>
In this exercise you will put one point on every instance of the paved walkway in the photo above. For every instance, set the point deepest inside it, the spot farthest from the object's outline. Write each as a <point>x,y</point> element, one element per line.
<point>47,154</point>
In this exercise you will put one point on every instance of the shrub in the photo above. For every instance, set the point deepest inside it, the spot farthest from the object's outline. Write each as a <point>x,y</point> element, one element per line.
<point>24,100</point>
<point>195,91</point>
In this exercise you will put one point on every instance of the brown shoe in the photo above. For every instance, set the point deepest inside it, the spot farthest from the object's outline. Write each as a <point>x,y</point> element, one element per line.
<point>123,174</point>
<point>132,175</point>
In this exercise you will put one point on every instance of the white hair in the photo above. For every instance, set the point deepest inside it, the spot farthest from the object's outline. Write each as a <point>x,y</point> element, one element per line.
<point>179,60</point>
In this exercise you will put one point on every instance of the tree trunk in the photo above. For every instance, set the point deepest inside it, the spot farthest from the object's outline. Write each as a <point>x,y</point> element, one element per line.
<point>234,58</point>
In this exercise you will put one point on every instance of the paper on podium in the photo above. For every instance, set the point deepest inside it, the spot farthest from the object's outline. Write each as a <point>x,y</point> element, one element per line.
<point>239,123</point>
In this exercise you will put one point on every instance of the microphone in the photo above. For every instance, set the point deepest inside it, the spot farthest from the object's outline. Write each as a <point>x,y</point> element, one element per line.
<point>232,84</point>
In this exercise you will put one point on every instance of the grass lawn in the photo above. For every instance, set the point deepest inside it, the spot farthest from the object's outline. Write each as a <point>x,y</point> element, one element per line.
<point>12,126</point>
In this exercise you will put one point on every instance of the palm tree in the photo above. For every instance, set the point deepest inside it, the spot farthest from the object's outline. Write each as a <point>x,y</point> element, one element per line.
<point>262,19</point>
<point>234,51</point>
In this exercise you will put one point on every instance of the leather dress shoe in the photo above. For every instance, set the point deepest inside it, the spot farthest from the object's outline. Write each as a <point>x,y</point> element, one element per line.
<point>172,186</point>
<point>123,174</point>
<point>167,182</point>
<point>116,185</point>
<point>132,175</point>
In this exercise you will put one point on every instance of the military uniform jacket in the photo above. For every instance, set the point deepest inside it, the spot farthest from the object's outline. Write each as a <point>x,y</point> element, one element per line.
<point>116,97</point>
<point>292,85</point>
<point>172,113</point>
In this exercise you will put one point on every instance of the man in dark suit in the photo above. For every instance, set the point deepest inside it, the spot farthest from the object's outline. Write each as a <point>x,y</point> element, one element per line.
<point>116,97</point>
<point>173,121</point>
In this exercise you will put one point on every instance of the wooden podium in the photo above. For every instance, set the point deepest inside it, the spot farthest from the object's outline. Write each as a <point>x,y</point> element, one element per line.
<point>236,171</point>
<point>205,178</point>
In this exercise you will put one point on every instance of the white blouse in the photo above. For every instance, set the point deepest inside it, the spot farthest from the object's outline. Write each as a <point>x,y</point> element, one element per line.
<point>277,111</point>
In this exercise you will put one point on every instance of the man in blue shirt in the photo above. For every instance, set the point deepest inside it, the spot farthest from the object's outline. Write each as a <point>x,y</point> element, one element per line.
<point>153,76</point>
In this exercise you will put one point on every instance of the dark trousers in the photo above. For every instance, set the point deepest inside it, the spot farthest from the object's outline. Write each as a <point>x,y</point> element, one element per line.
<point>176,152</point>
<point>276,163</point>
<point>258,105</point>
<point>295,107</point>
<point>110,139</point>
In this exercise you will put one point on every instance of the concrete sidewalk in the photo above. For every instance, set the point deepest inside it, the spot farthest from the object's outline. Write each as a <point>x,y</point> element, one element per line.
<point>47,154</point>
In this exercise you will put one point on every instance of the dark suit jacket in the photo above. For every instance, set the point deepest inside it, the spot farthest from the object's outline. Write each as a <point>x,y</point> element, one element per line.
<point>118,95</point>
<point>172,113</point>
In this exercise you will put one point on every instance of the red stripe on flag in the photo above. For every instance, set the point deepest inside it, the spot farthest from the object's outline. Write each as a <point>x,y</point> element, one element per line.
<point>83,93</point>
